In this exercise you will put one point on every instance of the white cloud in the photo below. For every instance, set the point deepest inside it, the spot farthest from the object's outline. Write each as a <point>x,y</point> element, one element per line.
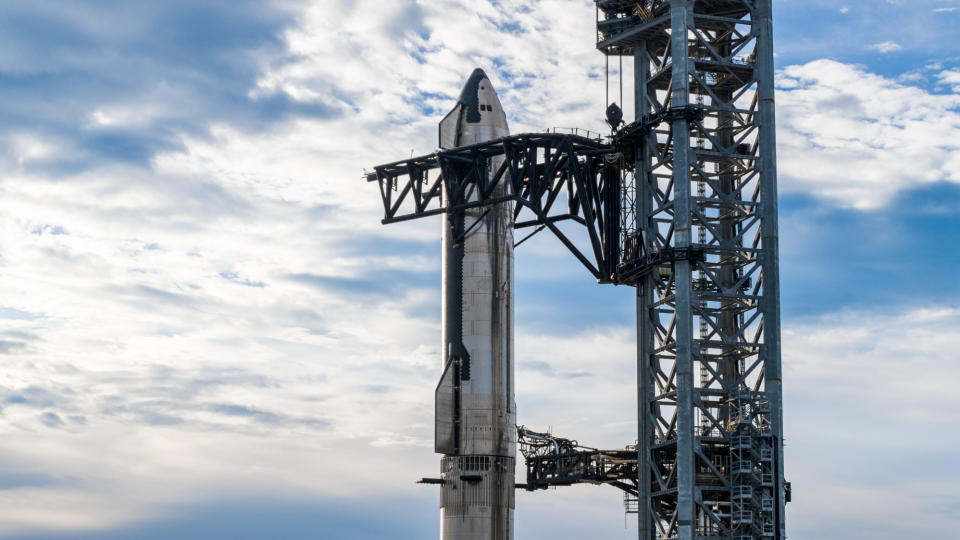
<point>951,77</point>
<point>864,391</point>
<point>867,392</point>
<point>28,147</point>
<point>218,322</point>
<point>944,10</point>
<point>886,47</point>
<point>857,139</point>
<point>516,46</point>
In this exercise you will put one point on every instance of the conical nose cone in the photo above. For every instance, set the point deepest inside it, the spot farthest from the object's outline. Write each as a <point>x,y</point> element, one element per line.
<point>478,74</point>
<point>469,95</point>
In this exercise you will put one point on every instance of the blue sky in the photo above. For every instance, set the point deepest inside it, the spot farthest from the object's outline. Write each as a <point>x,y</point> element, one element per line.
<point>206,332</point>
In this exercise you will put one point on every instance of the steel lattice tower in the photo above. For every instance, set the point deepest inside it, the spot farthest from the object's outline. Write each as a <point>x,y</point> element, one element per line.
<point>682,205</point>
<point>710,415</point>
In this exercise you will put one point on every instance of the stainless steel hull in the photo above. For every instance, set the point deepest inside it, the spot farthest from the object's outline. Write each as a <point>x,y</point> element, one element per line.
<point>476,413</point>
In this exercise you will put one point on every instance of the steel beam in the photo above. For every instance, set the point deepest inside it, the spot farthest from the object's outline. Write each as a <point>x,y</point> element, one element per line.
<point>770,303</point>
<point>680,19</point>
<point>644,294</point>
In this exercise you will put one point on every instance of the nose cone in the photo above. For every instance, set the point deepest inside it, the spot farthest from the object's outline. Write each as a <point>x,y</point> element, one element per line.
<point>470,95</point>
<point>477,117</point>
<point>470,92</point>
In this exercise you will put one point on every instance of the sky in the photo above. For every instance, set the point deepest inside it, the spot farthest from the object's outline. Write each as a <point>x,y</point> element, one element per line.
<point>206,332</point>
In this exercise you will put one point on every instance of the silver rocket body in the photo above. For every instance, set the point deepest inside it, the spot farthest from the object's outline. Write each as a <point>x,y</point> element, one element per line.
<point>475,409</point>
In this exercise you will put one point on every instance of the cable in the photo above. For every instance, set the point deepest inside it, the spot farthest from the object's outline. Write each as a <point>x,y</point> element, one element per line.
<point>621,81</point>
<point>606,75</point>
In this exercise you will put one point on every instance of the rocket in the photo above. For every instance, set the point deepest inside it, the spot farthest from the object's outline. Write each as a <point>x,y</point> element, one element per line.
<point>475,410</point>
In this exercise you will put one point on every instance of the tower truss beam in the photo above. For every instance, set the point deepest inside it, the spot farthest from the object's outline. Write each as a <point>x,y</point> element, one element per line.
<point>553,178</point>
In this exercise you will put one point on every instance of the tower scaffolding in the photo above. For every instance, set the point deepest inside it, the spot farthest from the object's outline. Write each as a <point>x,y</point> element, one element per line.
<point>713,443</point>
<point>699,157</point>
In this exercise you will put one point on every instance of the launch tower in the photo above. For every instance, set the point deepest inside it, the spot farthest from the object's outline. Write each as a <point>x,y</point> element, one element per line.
<point>680,204</point>
<point>710,420</point>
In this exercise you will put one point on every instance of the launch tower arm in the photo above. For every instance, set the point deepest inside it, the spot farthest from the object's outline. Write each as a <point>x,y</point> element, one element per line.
<point>554,461</point>
<point>552,178</point>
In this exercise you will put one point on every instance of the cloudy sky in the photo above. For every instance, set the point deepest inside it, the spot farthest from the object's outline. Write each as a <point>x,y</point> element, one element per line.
<point>206,333</point>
